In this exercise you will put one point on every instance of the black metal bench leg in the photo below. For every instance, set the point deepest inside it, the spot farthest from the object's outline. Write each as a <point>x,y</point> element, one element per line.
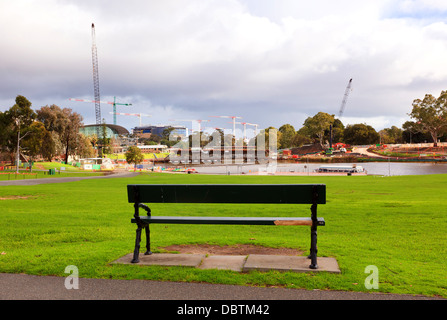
<point>313,248</point>
<point>136,253</point>
<point>148,240</point>
<point>313,233</point>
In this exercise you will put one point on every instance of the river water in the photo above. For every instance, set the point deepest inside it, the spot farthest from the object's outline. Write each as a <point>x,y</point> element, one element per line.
<point>372,168</point>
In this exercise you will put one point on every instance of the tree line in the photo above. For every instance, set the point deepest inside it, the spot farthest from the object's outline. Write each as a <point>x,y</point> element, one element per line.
<point>428,123</point>
<point>52,131</point>
<point>48,132</point>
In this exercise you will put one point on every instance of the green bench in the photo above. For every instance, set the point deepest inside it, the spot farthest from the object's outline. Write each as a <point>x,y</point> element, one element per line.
<point>313,194</point>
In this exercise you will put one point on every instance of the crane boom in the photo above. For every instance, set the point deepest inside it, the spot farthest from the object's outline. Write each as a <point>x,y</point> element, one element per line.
<point>234,121</point>
<point>139,115</point>
<point>345,98</point>
<point>114,103</point>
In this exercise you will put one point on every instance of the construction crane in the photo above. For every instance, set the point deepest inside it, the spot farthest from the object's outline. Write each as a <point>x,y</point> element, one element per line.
<point>255,125</point>
<point>345,98</point>
<point>139,115</point>
<point>96,80</point>
<point>245,129</point>
<point>114,103</point>
<point>192,123</point>
<point>234,121</point>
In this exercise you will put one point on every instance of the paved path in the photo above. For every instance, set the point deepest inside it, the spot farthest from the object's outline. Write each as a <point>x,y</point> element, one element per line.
<point>365,152</point>
<point>29,287</point>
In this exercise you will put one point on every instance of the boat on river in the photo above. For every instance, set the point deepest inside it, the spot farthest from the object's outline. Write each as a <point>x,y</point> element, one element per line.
<point>340,169</point>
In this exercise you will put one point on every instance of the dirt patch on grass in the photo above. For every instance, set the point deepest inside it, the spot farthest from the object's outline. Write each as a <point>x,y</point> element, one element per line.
<point>15,197</point>
<point>239,249</point>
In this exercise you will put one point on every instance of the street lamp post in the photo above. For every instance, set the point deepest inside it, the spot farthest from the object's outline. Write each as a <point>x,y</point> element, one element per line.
<point>18,146</point>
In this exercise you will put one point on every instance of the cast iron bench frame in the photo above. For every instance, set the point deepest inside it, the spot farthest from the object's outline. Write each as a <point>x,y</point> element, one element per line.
<point>313,194</point>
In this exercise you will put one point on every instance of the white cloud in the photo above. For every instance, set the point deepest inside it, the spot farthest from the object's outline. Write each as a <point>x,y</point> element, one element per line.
<point>269,62</point>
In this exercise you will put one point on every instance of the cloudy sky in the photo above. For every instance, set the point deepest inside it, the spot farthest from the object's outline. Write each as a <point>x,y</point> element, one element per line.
<point>270,62</point>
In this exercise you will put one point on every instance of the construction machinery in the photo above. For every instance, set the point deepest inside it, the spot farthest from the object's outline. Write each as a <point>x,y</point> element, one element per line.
<point>244,124</point>
<point>234,121</point>
<point>199,121</point>
<point>345,98</point>
<point>254,125</point>
<point>97,102</point>
<point>348,89</point>
<point>96,80</point>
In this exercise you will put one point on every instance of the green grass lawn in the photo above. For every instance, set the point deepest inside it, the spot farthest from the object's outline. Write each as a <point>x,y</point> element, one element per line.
<point>397,224</point>
<point>40,170</point>
<point>25,175</point>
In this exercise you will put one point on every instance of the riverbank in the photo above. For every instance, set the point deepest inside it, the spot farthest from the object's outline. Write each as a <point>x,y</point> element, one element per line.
<point>378,168</point>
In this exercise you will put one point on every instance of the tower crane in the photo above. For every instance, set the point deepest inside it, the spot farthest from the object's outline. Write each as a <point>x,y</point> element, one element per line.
<point>245,129</point>
<point>139,115</point>
<point>254,125</point>
<point>114,103</point>
<point>345,98</point>
<point>234,121</point>
<point>192,123</point>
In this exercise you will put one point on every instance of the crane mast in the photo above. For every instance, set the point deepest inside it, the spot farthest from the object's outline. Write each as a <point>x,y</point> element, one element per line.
<point>345,98</point>
<point>96,81</point>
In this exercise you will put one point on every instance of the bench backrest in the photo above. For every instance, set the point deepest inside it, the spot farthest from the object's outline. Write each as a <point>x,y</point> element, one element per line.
<point>228,193</point>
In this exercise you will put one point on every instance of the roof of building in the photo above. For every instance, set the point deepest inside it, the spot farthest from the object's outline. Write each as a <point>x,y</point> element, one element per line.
<point>114,127</point>
<point>152,146</point>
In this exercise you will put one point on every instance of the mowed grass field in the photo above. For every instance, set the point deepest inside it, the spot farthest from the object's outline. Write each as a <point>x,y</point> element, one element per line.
<point>397,224</point>
<point>40,170</point>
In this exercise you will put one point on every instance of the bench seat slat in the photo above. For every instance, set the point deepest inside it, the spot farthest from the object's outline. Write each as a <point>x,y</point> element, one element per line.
<point>289,221</point>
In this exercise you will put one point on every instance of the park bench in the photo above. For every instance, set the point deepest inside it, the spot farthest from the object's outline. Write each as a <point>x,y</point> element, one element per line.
<point>313,194</point>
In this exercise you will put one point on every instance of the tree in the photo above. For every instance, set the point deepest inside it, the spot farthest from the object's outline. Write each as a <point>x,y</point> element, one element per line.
<point>65,123</point>
<point>338,129</point>
<point>431,114</point>
<point>134,155</point>
<point>6,128</point>
<point>287,135</point>
<point>270,134</point>
<point>198,139</point>
<point>318,125</point>
<point>51,145</point>
<point>35,140</point>
<point>412,133</point>
<point>104,142</point>
<point>14,125</point>
<point>360,134</point>
<point>85,147</point>
<point>391,135</point>
<point>300,139</point>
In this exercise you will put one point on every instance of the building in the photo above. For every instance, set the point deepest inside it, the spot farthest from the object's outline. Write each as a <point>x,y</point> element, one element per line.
<point>147,131</point>
<point>112,130</point>
<point>155,148</point>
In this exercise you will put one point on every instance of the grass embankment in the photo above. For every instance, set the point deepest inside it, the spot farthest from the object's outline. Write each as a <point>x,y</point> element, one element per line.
<point>41,170</point>
<point>394,223</point>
